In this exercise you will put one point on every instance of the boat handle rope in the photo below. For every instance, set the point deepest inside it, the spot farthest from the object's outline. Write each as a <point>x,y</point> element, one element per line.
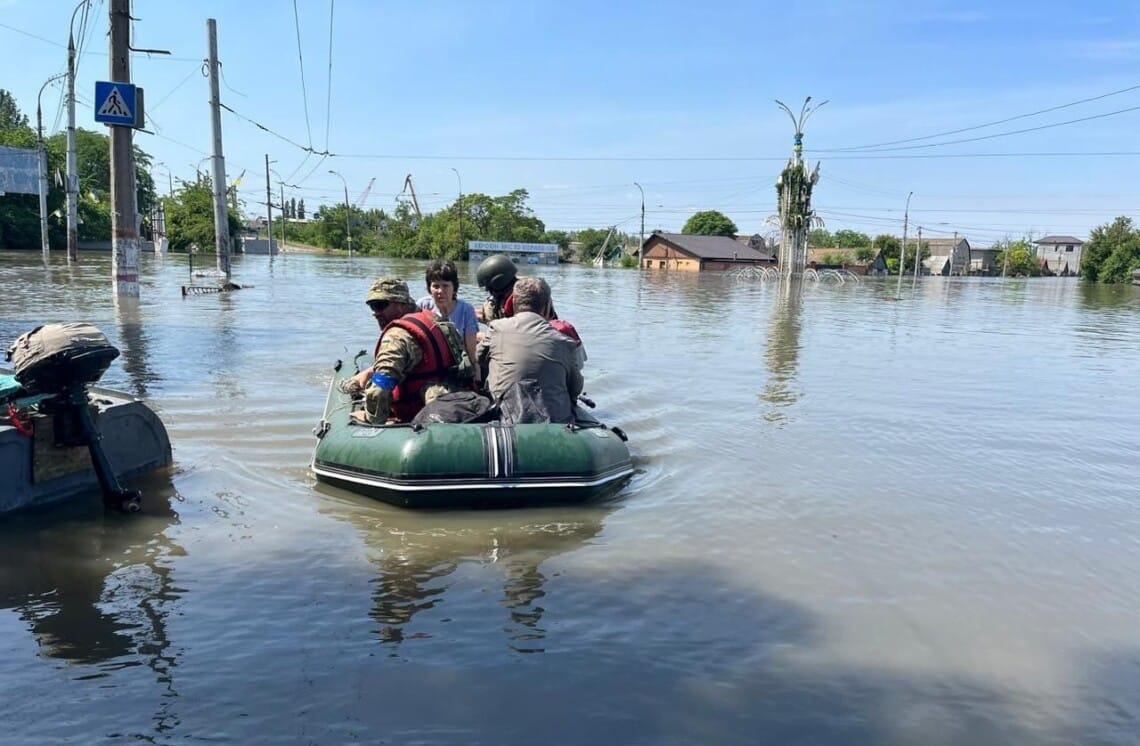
<point>23,427</point>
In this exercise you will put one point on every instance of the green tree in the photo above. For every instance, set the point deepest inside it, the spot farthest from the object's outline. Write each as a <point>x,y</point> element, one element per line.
<point>190,217</point>
<point>562,238</point>
<point>300,211</point>
<point>849,239</point>
<point>590,241</point>
<point>11,118</point>
<point>820,238</point>
<point>1018,259</point>
<point>709,223</point>
<point>1112,252</point>
<point>890,247</point>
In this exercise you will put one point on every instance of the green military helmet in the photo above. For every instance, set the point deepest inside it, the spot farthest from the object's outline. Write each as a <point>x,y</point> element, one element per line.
<point>496,272</point>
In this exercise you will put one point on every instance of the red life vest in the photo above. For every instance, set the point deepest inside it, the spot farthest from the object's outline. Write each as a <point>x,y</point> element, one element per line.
<point>407,397</point>
<point>568,329</point>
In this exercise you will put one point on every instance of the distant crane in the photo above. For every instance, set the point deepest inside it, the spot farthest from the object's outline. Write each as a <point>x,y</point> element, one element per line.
<point>364,194</point>
<point>415,202</point>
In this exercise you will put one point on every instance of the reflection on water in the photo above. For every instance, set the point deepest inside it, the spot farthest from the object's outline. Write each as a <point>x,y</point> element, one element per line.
<point>961,563</point>
<point>782,353</point>
<point>96,588</point>
<point>417,553</point>
<point>134,343</point>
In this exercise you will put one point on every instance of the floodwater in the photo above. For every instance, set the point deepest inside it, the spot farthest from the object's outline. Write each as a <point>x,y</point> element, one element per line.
<point>855,521</point>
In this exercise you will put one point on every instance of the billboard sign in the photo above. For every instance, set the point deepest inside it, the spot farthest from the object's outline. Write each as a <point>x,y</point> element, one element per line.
<point>19,171</point>
<point>512,247</point>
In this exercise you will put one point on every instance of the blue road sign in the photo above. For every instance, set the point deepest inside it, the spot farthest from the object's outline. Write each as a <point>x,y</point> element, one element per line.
<point>115,103</point>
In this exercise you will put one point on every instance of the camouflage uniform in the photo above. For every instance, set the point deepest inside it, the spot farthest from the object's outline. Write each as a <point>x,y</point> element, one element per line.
<point>399,354</point>
<point>492,310</point>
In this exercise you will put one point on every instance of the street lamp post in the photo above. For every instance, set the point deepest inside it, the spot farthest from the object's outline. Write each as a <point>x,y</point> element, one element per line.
<point>902,249</point>
<point>641,236</point>
<point>43,166</point>
<point>347,212</point>
<point>459,207</point>
<point>72,157</point>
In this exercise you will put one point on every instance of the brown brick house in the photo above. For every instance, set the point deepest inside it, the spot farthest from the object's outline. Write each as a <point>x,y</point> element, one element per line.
<point>678,251</point>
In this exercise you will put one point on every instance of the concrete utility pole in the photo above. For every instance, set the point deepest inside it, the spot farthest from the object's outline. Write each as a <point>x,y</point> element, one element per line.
<point>918,255</point>
<point>124,208</point>
<point>72,158</point>
<point>347,211</point>
<point>902,249</point>
<point>221,214</point>
<point>284,217</point>
<point>459,206</point>
<point>269,204</point>
<point>44,244</point>
<point>641,234</point>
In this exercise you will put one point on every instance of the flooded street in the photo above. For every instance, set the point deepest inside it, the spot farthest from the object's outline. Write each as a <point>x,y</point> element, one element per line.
<point>855,520</point>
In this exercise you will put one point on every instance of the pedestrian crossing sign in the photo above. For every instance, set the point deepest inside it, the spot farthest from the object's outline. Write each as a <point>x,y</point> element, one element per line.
<point>115,103</point>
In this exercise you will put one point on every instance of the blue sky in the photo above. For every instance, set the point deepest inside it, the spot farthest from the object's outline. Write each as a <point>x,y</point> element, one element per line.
<point>576,101</point>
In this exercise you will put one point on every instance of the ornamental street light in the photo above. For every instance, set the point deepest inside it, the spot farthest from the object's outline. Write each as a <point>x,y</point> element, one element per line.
<point>347,212</point>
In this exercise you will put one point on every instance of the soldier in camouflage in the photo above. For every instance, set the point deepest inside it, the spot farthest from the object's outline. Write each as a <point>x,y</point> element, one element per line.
<point>403,378</point>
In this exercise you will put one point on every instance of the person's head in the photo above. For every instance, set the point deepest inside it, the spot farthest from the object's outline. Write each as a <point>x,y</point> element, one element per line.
<point>389,299</point>
<point>532,294</point>
<point>497,274</point>
<point>442,281</point>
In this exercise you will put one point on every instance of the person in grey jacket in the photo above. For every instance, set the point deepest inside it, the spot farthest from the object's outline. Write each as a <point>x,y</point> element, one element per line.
<point>533,370</point>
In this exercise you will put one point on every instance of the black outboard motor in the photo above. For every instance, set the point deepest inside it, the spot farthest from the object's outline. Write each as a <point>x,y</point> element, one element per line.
<point>62,360</point>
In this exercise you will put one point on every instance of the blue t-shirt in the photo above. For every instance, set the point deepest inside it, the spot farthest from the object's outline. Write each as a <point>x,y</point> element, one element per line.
<point>463,316</point>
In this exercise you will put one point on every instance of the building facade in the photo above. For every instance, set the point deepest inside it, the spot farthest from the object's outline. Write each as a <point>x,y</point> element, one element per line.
<point>686,253</point>
<point>1060,255</point>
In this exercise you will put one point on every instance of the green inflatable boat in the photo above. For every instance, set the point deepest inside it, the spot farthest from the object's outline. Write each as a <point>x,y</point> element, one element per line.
<point>470,465</point>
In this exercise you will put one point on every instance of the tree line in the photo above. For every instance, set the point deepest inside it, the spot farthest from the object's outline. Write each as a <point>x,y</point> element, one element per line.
<point>20,213</point>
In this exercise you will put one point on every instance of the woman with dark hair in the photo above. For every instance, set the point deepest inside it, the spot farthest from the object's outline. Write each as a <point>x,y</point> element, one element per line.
<point>443,285</point>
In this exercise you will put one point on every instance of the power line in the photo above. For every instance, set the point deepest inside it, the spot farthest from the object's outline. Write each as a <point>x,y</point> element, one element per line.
<point>1005,134</point>
<point>301,59</point>
<point>328,99</point>
<point>987,124</point>
<point>264,128</point>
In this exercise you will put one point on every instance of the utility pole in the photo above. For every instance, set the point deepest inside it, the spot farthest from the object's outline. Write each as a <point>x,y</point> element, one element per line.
<point>221,214</point>
<point>72,158</point>
<point>347,211</point>
<point>269,205</point>
<point>902,249</point>
<point>284,216</point>
<point>918,255</point>
<point>641,235</point>
<point>459,207</point>
<point>124,207</point>
<point>44,244</point>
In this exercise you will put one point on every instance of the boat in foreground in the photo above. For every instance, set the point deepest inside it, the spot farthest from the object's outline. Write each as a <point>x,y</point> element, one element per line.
<point>45,458</point>
<point>61,436</point>
<point>488,464</point>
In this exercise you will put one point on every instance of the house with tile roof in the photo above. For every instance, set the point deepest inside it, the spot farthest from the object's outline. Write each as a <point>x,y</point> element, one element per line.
<point>688,253</point>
